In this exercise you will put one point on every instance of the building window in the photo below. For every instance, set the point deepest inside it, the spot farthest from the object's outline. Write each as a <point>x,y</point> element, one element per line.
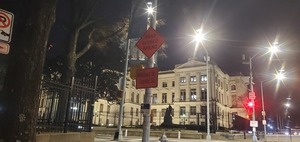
<point>138,98</point>
<point>193,110</point>
<point>182,80</point>
<point>182,110</point>
<point>203,93</point>
<point>137,112</point>
<point>193,79</point>
<point>193,95</point>
<point>173,97</point>
<point>163,112</point>
<point>131,111</point>
<point>164,98</point>
<point>101,108</point>
<point>153,112</point>
<point>203,110</point>
<point>132,97</point>
<point>203,78</point>
<point>182,95</point>
<point>108,109</point>
<point>173,83</point>
<point>154,99</point>
<point>164,84</point>
<point>233,87</point>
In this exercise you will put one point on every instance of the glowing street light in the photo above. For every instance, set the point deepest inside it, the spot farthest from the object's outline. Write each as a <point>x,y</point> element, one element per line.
<point>274,48</point>
<point>150,9</point>
<point>280,75</point>
<point>199,37</point>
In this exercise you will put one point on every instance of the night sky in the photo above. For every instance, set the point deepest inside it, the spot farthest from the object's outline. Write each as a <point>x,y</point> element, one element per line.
<point>232,27</point>
<point>235,27</point>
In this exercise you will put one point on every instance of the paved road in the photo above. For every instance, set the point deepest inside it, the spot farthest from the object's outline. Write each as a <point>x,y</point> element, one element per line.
<point>107,138</point>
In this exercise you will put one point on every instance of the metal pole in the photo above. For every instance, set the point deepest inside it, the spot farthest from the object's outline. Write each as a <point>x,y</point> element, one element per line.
<point>118,133</point>
<point>263,109</point>
<point>150,64</point>
<point>208,137</point>
<point>254,139</point>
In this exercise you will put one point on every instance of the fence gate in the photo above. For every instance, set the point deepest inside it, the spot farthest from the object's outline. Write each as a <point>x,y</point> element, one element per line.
<point>64,108</point>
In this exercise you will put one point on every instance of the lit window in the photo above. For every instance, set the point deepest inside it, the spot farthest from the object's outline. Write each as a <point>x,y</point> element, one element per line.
<point>203,78</point>
<point>193,79</point>
<point>154,99</point>
<point>203,93</point>
<point>182,95</point>
<point>193,95</point>
<point>182,79</point>
<point>164,98</point>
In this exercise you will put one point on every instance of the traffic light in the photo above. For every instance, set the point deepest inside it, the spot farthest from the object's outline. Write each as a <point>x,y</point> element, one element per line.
<point>251,104</point>
<point>249,116</point>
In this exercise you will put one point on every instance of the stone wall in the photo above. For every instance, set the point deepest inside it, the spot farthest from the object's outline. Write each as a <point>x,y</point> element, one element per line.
<point>66,137</point>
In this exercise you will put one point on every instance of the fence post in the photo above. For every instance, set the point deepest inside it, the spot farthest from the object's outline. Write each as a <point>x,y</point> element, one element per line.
<point>179,135</point>
<point>68,106</point>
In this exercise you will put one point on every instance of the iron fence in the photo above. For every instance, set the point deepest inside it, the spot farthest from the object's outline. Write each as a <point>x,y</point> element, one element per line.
<point>64,107</point>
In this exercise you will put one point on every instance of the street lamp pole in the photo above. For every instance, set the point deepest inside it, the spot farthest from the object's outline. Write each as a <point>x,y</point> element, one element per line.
<point>264,122</point>
<point>208,137</point>
<point>199,37</point>
<point>151,63</point>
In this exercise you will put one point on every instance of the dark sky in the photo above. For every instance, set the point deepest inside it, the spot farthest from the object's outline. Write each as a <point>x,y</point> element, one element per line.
<point>235,27</point>
<point>232,27</point>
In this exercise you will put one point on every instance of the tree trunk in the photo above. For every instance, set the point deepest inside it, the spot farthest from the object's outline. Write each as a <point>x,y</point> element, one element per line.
<point>19,102</point>
<point>71,57</point>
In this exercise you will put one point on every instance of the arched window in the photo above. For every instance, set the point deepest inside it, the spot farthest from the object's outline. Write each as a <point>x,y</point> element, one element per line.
<point>233,87</point>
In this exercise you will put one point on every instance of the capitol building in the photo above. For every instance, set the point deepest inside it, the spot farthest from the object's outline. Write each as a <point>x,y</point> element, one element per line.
<point>184,88</point>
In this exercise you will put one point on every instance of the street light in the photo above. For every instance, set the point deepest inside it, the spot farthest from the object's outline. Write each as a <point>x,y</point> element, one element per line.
<point>273,49</point>
<point>199,37</point>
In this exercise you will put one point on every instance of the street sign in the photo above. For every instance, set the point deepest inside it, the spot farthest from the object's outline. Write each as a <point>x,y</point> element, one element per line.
<point>145,108</point>
<point>6,25</point>
<point>133,70</point>
<point>4,48</point>
<point>264,122</point>
<point>146,78</point>
<point>150,42</point>
<point>253,123</point>
<point>251,95</point>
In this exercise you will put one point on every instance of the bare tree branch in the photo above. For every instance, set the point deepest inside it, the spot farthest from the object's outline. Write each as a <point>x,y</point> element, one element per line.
<point>87,17</point>
<point>88,46</point>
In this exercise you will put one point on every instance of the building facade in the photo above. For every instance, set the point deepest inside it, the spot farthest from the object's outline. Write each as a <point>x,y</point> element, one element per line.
<point>184,89</point>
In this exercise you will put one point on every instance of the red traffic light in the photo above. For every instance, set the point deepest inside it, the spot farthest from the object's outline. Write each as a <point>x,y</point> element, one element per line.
<point>250,104</point>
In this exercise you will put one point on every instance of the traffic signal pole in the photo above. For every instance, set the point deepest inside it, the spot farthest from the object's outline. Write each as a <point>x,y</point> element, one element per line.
<point>150,64</point>
<point>252,97</point>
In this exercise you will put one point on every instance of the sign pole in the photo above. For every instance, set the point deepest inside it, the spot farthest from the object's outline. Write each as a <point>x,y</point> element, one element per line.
<point>150,64</point>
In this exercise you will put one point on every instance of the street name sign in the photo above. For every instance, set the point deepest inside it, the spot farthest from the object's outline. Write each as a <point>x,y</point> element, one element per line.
<point>150,42</point>
<point>6,25</point>
<point>146,78</point>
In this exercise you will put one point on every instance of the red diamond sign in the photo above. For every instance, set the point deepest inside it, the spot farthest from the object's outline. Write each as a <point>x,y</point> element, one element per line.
<point>150,42</point>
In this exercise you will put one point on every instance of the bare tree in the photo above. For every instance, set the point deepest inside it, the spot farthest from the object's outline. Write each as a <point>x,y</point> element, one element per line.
<point>98,35</point>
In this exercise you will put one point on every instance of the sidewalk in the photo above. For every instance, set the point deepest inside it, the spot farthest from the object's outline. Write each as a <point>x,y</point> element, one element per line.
<point>107,138</point>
